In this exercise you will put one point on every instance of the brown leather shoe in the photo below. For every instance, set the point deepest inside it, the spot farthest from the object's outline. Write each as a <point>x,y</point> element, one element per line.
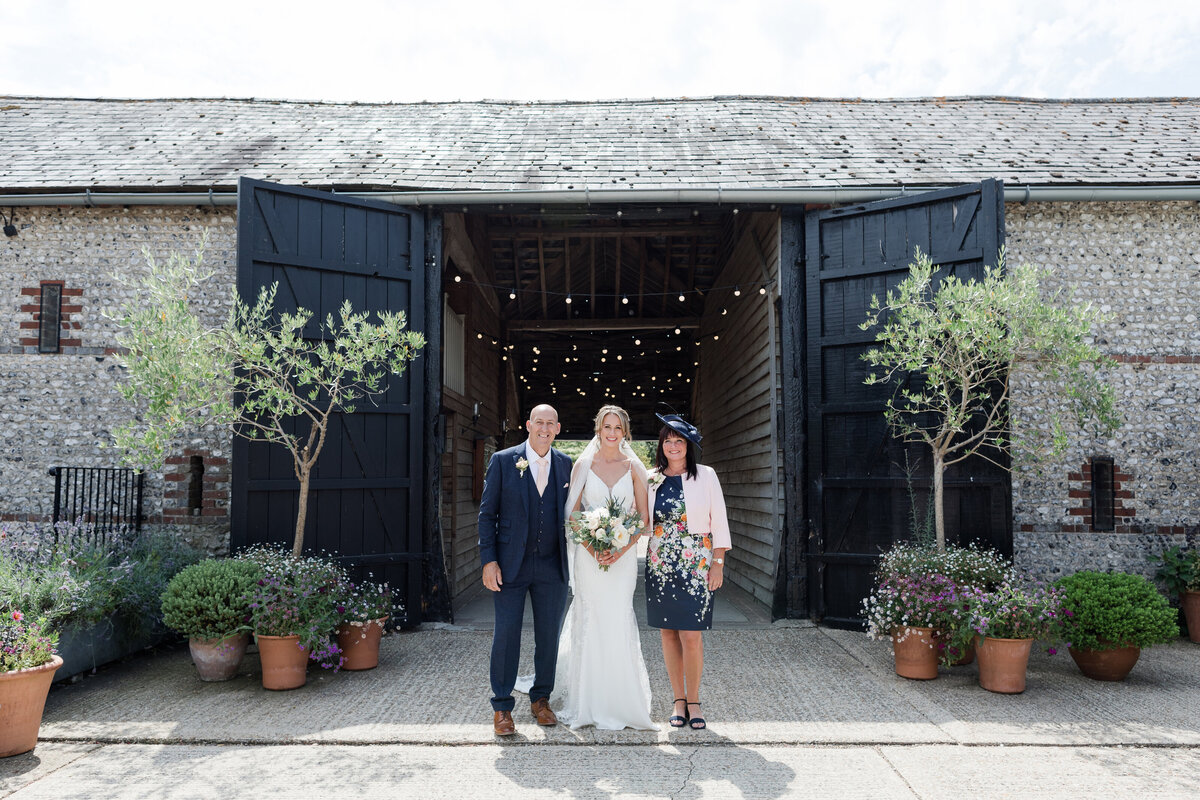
<point>544,714</point>
<point>502,723</point>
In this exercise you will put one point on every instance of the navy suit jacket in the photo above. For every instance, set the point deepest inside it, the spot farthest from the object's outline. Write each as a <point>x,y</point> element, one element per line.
<point>504,519</point>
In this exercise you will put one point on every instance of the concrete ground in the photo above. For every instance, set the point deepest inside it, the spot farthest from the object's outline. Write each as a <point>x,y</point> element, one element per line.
<point>794,711</point>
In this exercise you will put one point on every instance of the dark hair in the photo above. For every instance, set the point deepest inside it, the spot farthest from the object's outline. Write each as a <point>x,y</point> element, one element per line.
<point>660,459</point>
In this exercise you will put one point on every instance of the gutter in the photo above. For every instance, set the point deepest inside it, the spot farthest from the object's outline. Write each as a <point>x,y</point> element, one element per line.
<point>717,196</point>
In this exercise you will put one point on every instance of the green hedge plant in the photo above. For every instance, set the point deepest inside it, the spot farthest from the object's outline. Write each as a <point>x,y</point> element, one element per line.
<point>208,600</point>
<point>1103,610</point>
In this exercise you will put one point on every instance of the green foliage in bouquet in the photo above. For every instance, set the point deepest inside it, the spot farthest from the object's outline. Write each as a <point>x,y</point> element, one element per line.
<point>1103,610</point>
<point>208,600</point>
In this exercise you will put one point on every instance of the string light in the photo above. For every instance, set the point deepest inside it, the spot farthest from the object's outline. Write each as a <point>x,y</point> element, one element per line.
<point>624,299</point>
<point>682,298</point>
<point>737,291</point>
<point>512,294</point>
<point>762,290</point>
<point>568,299</point>
<point>458,278</point>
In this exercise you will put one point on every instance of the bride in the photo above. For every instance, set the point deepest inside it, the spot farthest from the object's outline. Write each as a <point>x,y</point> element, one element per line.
<point>600,667</point>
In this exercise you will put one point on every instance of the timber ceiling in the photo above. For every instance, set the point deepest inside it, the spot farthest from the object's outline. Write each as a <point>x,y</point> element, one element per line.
<point>637,279</point>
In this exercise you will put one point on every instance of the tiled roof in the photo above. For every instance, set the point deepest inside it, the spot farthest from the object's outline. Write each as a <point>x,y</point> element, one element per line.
<point>51,144</point>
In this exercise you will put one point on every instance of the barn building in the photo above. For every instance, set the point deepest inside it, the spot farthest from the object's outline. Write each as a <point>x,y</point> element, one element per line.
<point>714,254</point>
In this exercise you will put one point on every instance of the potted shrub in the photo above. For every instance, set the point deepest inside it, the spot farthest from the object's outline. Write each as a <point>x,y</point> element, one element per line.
<point>1006,622</point>
<point>206,602</point>
<point>293,612</point>
<point>27,666</point>
<point>967,568</point>
<point>908,609</point>
<point>364,608</point>
<point>1180,574</point>
<point>1109,617</point>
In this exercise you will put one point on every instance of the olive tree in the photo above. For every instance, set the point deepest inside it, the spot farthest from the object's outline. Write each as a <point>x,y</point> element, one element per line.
<point>949,347</point>
<point>266,375</point>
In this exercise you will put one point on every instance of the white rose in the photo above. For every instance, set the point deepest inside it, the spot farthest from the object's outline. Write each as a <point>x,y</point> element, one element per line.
<point>620,535</point>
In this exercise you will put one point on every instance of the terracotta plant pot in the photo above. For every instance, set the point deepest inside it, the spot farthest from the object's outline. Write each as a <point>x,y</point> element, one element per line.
<point>359,643</point>
<point>1113,664</point>
<point>218,659</point>
<point>22,701</point>
<point>284,662</point>
<point>1003,663</point>
<point>1190,603</point>
<point>916,653</point>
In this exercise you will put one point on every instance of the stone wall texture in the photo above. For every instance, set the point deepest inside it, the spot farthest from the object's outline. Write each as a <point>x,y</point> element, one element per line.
<point>59,408</point>
<point>1139,264</point>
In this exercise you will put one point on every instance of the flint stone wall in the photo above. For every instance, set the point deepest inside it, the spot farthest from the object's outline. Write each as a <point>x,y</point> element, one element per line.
<point>59,409</point>
<point>1139,264</point>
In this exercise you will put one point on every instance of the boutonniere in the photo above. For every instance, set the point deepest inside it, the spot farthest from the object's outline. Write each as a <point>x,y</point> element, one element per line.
<point>655,478</point>
<point>522,465</point>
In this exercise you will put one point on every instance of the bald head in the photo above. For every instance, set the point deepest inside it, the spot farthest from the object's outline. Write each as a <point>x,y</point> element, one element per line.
<point>543,427</point>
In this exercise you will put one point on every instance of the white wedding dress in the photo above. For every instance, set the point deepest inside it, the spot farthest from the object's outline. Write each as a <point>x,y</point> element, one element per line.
<point>600,666</point>
<point>601,675</point>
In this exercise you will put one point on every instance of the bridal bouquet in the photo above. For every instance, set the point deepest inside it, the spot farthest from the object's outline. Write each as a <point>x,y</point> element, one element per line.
<point>606,527</point>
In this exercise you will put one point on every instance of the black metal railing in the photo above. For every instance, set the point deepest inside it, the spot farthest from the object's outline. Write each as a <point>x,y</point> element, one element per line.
<point>108,499</point>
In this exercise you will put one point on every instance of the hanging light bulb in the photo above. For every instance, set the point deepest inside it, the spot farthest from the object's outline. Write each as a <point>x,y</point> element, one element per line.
<point>682,298</point>
<point>624,299</point>
<point>568,299</point>
<point>715,337</point>
<point>762,290</point>
<point>724,311</point>
<point>512,294</point>
<point>478,335</point>
<point>637,342</point>
<point>458,278</point>
<point>677,331</point>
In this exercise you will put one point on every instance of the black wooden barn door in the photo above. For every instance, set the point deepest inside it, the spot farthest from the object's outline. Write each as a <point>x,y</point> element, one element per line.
<point>366,494</point>
<point>862,481</point>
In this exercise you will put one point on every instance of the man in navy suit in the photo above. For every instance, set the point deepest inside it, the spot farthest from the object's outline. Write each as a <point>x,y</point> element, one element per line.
<point>522,547</point>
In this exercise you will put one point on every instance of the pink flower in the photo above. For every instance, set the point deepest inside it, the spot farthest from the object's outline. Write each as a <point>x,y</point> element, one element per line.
<point>18,616</point>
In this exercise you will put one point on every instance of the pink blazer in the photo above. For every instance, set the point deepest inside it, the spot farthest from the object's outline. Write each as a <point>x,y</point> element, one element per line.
<point>705,506</point>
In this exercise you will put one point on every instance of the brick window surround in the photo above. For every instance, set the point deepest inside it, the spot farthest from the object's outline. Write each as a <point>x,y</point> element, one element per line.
<point>1080,505</point>
<point>71,309</point>
<point>195,488</point>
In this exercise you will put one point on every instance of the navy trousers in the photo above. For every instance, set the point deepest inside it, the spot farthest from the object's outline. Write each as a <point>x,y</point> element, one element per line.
<point>541,580</point>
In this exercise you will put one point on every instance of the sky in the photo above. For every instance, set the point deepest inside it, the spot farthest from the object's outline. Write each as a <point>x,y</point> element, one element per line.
<point>441,50</point>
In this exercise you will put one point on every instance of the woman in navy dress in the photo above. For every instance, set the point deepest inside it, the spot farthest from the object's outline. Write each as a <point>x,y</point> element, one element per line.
<point>685,562</point>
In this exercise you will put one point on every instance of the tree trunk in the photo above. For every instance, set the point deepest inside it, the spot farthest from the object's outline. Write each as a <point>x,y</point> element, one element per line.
<point>939,469</point>
<point>301,513</point>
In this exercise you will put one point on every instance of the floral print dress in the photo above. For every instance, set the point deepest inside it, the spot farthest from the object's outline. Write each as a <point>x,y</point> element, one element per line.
<point>677,595</point>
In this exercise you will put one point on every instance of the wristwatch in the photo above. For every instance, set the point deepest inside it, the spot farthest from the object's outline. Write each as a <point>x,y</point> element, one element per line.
<point>719,560</point>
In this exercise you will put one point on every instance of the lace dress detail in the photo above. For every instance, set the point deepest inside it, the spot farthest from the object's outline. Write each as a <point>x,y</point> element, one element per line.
<point>601,671</point>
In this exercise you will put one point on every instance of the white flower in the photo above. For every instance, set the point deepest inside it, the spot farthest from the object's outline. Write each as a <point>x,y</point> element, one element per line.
<point>522,465</point>
<point>654,479</point>
<point>620,535</point>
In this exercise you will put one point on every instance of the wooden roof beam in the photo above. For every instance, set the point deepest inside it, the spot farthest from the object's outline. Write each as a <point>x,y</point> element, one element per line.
<point>622,324</point>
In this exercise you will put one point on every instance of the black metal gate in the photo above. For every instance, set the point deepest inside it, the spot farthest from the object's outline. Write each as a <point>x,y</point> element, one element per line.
<point>863,483</point>
<point>367,494</point>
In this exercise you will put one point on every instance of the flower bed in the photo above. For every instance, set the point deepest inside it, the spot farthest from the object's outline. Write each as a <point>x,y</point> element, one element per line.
<point>100,594</point>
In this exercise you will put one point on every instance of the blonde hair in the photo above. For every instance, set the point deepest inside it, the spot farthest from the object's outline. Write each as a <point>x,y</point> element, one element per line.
<point>620,413</point>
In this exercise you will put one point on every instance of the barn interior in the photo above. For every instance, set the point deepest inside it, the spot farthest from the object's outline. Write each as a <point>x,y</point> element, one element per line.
<point>636,305</point>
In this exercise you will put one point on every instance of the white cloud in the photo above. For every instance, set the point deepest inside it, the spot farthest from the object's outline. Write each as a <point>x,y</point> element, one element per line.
<point>373,50</point>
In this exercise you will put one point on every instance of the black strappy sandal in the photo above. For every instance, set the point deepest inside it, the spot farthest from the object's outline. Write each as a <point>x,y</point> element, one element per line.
<point>682,720</point>
<point>696,723</point>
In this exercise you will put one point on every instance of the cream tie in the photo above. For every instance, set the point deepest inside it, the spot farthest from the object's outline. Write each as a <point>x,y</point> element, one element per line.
<point>543,467</point>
